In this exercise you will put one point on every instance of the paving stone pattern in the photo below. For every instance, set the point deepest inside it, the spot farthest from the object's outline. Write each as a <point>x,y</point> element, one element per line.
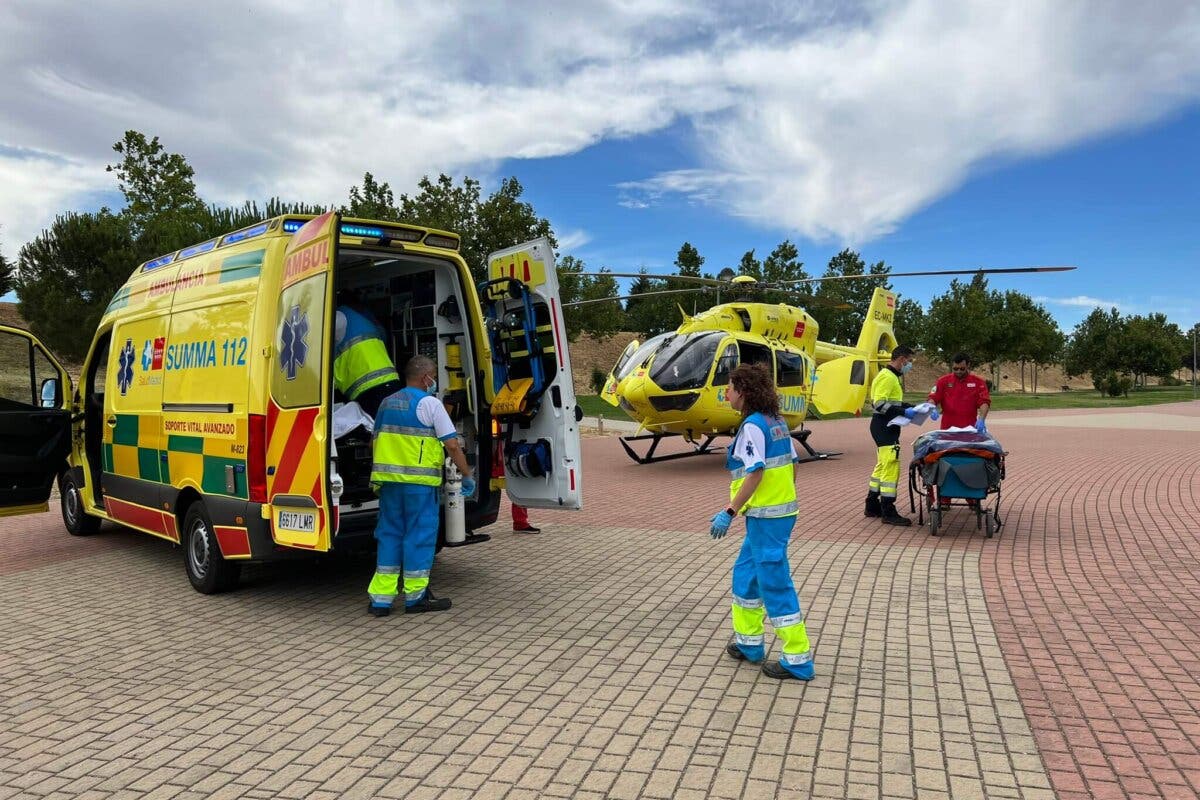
<point>587,661</point>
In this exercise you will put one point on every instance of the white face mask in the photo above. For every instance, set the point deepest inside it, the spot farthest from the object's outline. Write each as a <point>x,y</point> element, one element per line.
<point>906,368</point>
<point>432,389</point>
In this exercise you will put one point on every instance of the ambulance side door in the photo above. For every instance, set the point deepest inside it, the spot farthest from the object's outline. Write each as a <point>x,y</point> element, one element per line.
<point>300,385</point>
<point>556,423</point>
<point>35,422</point>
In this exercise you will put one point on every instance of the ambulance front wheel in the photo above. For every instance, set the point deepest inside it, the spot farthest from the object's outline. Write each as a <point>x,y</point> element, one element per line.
<point>206,568</point>
<point>76,520</point>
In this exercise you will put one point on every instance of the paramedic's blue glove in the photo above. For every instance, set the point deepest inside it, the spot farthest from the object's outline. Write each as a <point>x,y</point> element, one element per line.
<point>910,412</point>
<point>720,524</point>
<point>468,487</point>
<point>981,426</point>
<point>934,415</point>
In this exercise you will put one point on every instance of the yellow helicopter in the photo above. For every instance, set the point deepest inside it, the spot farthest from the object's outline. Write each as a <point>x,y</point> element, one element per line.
<point>673,384</point>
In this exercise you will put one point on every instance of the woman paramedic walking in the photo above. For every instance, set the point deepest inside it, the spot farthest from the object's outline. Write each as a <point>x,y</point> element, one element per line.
<point>762,462</point>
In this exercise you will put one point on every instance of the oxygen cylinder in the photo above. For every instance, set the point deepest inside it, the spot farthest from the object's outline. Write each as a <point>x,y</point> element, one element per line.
<point>456,512</point>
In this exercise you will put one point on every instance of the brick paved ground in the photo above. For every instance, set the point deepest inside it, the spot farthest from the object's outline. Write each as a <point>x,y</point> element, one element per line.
<point>587,661</point>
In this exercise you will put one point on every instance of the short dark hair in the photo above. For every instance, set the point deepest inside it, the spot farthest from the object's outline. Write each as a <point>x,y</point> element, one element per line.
<point>961,358</point>
<point>757,388</point>
<point>901,351</point>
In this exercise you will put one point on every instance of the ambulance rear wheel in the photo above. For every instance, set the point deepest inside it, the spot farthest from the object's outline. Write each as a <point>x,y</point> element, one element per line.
<point>207,569</point>
<point>70,498</point>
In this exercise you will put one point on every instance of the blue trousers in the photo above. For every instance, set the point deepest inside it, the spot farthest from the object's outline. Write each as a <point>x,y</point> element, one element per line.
<point>762,587</point>
<point>407,538</point>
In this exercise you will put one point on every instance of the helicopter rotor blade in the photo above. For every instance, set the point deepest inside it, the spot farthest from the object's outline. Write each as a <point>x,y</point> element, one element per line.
<point>633,296</point>
<point>685,278</point>
<point>890,275</point>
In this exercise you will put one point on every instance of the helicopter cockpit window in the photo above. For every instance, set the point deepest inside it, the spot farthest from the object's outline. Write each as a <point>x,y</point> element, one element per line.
<point>725,365</point>
<point>640,355</point>
<point>684,362</point>
<point>752,353</point>
<point>789,369</point>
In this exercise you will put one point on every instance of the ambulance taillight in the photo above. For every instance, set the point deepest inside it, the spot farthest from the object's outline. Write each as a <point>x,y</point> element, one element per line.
<point>256,458</point>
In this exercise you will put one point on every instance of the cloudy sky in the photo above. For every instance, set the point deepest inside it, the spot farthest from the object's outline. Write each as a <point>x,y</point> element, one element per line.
<point>927,134</point>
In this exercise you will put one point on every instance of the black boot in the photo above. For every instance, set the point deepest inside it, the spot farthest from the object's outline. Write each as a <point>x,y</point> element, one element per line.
<point>428,603</point>
<point>873,509</point>
<point>890,515</point>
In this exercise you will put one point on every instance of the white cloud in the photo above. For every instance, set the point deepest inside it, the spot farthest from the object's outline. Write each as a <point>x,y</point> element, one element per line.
<point>1080,300</point>
<point>572,239</point>
<point>831,120</point>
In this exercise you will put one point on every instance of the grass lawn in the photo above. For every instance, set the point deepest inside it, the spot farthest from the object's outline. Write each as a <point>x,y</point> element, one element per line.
<point>593,406</point>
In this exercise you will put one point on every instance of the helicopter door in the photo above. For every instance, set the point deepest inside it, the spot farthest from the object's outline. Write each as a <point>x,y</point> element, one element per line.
<point>35,422</point>
<point>543,468</point>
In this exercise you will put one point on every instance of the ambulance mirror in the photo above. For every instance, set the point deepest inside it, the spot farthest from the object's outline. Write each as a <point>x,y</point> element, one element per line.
<point>51,393</point>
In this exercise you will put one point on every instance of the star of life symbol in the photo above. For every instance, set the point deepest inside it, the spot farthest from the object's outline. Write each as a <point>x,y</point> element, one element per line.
<point>148,355</point>
<point>125,367</point>
<point>294,349</point>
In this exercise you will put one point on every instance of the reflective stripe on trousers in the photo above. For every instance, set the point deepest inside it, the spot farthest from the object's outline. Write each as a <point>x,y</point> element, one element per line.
<point>762,589</point>
<point>886,474</point>
<point>407,536</point>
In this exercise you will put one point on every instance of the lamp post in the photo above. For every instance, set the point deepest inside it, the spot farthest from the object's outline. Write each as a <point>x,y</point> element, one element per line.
<point>1194,327</point>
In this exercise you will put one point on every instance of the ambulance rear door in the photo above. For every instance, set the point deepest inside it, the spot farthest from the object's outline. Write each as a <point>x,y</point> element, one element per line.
<point>556,424</point>
<point>35,422</point>
<point>297,424</point>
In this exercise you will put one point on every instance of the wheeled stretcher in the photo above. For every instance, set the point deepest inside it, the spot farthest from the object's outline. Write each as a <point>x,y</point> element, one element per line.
<point>957,468</point>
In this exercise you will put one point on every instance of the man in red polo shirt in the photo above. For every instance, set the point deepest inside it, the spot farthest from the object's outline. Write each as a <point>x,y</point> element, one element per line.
<point>962,396</point>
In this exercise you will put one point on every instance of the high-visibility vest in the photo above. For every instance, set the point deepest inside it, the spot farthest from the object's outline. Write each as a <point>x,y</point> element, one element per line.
<point>887,395</point>
<point>405,450</point>
<point>360,359</point>
<point>776,494</point>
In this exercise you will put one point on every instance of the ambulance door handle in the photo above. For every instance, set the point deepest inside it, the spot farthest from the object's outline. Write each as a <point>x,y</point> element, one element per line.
<point>111,422</point>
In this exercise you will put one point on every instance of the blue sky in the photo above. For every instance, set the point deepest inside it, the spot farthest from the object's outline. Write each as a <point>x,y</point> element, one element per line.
<point>1123,208</point>
<point>926,134</point>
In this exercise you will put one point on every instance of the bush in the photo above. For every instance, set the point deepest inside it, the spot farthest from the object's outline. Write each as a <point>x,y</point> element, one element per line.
<point>1171,380</point>
<point>1124,385</point>
<point>599,378</point>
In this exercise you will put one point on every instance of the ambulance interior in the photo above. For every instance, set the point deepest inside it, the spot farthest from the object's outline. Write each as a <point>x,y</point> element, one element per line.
<point>418,301</point>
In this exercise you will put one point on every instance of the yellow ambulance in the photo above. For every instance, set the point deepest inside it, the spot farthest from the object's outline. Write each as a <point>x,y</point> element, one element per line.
<point>206,406</point>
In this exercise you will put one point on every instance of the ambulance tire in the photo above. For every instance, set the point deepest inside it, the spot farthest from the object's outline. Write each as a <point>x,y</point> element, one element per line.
<point>70,498</point>
<point>207,569</point>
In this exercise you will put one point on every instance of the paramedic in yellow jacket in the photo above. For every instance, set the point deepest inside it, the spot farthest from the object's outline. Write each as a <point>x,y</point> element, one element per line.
<point>362,369</point>
<point>761,460</point>
<point>413,434</point>
<point>887,403</point>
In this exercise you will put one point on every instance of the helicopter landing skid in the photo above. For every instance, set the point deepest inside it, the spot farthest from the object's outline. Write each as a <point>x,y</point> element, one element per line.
<point>801,437</point>
<point>700,449</point>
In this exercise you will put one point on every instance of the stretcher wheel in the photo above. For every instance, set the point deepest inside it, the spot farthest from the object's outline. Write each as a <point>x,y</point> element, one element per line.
<point>935,520</point>
<point>989,525</point>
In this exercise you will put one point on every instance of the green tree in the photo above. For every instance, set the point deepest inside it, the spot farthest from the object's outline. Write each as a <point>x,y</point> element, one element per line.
<point>503,220</point>
<point>842,326</point>
<point>68,274</point>
<point>1095,347</point>
<point>688,260</point>
<point>1151,346</point>
<point>372,201</point>
<point>1030,335</point>
<point>968,317</point>
<point>6,276</point>
<point>909,323</point>
<point>781,266</point>
<point>649,315</point>
<point>600,319</point>
<point>1189,348</point>
<point>219,220</point>
<point>749,265</point>
<point>158,186</point>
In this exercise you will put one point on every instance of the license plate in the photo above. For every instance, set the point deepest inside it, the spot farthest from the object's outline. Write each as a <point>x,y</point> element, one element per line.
<point>297,521</point>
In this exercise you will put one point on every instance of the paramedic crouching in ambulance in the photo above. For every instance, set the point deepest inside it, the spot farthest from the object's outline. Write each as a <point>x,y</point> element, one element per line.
<point>413,434</point>
<point>887,402</point>
<point>962,396</point>
<point>362,369</point>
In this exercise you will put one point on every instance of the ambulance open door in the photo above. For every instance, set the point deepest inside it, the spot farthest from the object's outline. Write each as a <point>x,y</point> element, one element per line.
<point>535,395</point>
<point>35,422</point>
<point>297,422</point>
